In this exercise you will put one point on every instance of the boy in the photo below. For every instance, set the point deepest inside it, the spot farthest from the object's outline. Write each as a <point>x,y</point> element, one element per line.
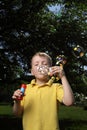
<point>40,103</point>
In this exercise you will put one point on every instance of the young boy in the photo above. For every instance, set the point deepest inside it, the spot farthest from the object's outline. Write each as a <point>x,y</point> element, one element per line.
<point>40,103</point>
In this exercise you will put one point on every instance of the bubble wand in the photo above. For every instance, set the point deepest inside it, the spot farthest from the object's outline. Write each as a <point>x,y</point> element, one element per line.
<point>60,61</point>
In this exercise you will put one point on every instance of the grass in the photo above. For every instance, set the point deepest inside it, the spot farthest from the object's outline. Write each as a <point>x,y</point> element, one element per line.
<point>73,118</point>
<point>6,110</point>
<point>73,113</point>
<point>70,118</point>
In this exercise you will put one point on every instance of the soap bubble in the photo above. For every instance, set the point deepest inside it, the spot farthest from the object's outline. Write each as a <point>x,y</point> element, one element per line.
<point>78,51</point>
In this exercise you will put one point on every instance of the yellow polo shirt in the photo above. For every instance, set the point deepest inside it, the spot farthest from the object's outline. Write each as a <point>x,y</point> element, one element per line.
<point>41,106</point>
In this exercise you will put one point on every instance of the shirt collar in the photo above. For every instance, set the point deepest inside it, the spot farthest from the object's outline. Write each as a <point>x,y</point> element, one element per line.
<point>49,83</point>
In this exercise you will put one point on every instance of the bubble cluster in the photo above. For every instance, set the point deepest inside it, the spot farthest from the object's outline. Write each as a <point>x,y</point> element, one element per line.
<point>61,60</point>
<point>43,69</point>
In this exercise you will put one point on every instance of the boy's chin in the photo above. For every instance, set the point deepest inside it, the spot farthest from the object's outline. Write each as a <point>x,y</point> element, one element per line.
<point>43,77</point>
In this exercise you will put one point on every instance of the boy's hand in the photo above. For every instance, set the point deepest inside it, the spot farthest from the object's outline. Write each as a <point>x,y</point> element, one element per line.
<point>17,94</point>
<point>57,71</point>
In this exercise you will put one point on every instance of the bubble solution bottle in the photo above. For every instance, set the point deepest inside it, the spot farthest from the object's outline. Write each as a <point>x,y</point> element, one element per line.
<point>23,87</point>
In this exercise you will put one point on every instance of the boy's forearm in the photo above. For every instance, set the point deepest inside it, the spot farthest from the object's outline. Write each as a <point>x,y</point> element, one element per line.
<point>68,98</point>
<point>17,108</point>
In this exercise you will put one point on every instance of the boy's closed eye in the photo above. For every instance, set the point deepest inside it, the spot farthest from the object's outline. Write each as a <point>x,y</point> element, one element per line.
<point>36,65</point>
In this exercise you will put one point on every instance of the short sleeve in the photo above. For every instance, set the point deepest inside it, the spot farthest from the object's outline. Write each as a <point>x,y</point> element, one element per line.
<point>60,92</point>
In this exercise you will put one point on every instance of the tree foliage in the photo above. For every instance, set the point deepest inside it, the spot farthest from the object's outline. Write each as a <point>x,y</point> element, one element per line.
<point>29,26</point>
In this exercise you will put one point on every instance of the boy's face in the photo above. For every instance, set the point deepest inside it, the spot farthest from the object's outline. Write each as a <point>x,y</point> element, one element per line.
<point>36,62</point>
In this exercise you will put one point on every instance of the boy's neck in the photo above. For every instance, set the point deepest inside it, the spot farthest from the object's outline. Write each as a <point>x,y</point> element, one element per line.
<point>41,82</point>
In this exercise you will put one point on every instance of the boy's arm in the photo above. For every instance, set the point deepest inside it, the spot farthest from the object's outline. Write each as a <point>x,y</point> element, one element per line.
<point>68,98</point>
<point>17,108</point>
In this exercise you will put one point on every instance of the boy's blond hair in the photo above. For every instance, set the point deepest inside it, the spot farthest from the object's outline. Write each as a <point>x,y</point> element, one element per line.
<point>43,54</point>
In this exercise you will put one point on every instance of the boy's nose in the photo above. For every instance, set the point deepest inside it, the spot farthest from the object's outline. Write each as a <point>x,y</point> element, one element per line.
<point>40,64</point>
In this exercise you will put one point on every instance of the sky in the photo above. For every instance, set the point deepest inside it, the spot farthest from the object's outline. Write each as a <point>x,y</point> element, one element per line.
<point>55,8</point>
